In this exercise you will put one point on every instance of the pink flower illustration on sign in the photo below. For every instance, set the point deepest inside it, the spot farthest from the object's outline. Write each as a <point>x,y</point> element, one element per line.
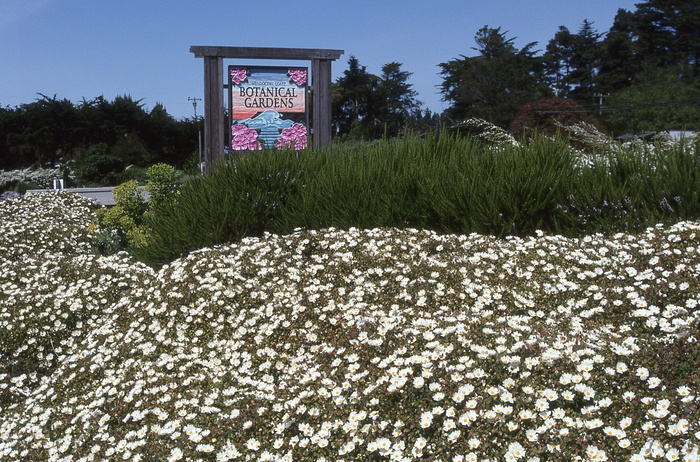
<point>298,76</point>
<point>244,138</point>
<point>238,75</point>
<point>293,137</point>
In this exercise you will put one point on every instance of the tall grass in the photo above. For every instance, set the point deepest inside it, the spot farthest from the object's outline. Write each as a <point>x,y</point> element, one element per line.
<point>447,183</point>
<point>629,189</point>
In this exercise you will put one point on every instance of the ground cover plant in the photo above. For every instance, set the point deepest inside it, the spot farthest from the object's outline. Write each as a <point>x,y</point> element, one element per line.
<point>375,344</point>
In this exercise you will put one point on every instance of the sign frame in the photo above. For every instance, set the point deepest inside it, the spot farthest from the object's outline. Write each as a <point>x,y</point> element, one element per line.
<point>214,119</point>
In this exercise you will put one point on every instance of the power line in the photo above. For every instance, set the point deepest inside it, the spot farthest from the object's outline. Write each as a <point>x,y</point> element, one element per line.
<point>617,108</point>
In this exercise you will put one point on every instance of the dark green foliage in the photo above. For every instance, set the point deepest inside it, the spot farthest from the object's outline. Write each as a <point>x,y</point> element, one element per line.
<point>572,61</point>
<point>447,183</point>
<point>356,101</point>
<point>98,166</point>
<point>398,99</point>
<point>659,99</point>
<point>40,132</point>
<point>512,190</point>
<point>241,198</point>
<point>367,106</point>
<point>666,33</point>
<point>632,189</point>
<point>492,85</point>
<point>374,185</point>
<point>51,131</point>
<point>617,54</point>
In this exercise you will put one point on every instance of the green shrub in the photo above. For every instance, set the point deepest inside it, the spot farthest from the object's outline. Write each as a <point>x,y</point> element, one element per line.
<point>635,186</point>
<point>98,166</point>
<point>121,226</point>
<point>162,185</point>
<point>443,182</point>
<point>126,225</point>
<point>508,190</point>
<point>375,186</point>
<point>240,198</point>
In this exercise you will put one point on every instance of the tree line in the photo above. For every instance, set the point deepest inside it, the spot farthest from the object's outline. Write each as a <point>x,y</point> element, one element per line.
<point>642,74</point>
<point>98,135</point>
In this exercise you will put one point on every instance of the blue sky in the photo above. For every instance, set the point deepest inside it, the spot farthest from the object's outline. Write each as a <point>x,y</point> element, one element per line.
<point>79,49</point>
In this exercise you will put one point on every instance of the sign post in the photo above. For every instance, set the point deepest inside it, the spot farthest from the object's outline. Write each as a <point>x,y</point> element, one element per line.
<point>321,59</point>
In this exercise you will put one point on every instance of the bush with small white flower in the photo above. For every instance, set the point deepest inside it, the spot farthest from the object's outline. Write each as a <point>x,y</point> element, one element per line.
<point>342,345</point>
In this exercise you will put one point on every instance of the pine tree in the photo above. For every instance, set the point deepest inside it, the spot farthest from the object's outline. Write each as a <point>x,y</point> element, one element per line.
<point>399,98</point>
<point>585,62</point>
<point>558,61</point>
<point>494,84</point>
<point>618,61</point>
<point>572,62</point>
<point>356,102</point>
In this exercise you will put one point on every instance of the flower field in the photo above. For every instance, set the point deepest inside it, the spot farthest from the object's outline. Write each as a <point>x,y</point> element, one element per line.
<point>340,345</point>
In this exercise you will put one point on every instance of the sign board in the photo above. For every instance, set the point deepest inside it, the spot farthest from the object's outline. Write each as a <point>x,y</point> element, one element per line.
<point>268,107</point>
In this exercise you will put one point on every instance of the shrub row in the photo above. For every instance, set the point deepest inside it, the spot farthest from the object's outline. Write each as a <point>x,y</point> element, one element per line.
<point>446,183</point>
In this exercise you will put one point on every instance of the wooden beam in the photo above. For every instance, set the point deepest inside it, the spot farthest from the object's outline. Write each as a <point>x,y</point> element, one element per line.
<point>265,53</point>
<point>321,110</point>
<point>213,111</point>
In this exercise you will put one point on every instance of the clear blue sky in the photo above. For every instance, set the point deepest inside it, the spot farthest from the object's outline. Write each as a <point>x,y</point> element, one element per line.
<point>79,49</point>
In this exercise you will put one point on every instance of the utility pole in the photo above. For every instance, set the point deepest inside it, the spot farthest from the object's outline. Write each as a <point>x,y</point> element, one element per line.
<point>194,104</point>
<point>600,97</point>
<point>199,137</point>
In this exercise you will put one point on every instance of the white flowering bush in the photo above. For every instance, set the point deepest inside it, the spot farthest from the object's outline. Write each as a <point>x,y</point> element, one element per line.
<point>54,289</point>
<point>42,177</point>
<point>595,147</point>
<point>378,344</point>
<point>487,131</point>
<point>46,223</point>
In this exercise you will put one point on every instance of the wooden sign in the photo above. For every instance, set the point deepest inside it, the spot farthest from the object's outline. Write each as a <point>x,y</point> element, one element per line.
<point>268,107</point>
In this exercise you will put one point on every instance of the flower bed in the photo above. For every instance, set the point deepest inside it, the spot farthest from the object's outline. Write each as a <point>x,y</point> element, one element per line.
<point>331,345</point>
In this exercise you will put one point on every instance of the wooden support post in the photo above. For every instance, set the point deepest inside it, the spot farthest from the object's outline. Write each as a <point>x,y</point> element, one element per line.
<point>321,110</point>
<point>213,111</point>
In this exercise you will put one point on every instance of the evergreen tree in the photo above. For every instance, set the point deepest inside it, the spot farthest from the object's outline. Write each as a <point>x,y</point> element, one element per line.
<point>659,33</point>
<point>355,101</point>
<point>399,98</point>
<point>117,134</point>
<point>585,62</point>
<point>43,130</point>
<point>572,62</point>
<point>617,57</point>
<point>667,33</point>
<point>558,61</point>
<point>425,121</point>
<point>494,84</point>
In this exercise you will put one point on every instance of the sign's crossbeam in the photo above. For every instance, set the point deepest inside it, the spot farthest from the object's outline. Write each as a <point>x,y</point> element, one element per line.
<point>305,54</point>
